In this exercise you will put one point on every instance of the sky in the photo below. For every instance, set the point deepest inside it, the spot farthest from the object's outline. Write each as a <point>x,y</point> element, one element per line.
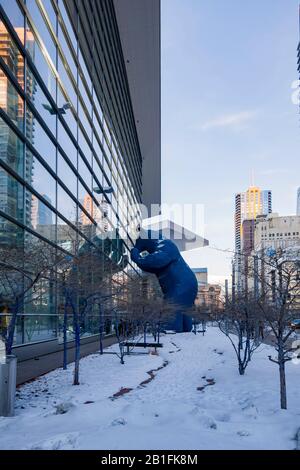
<point>228,118</point>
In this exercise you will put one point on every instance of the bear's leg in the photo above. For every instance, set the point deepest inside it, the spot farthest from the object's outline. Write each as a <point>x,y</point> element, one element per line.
<point>187,323</point>
<point>176,323</point>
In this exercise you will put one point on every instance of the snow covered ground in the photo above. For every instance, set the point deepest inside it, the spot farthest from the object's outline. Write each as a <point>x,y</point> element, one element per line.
<point>169,412</point>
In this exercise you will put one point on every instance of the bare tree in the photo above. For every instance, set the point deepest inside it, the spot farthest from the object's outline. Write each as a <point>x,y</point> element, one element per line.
<point>278,274</point>
<point>23,273</point>
<point>239,322</point>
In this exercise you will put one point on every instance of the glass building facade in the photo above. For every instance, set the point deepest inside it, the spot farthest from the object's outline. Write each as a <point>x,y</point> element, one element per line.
<point>70,161</point>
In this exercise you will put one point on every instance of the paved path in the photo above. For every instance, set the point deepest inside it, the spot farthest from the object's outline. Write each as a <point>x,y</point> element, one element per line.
<point>32,368</point>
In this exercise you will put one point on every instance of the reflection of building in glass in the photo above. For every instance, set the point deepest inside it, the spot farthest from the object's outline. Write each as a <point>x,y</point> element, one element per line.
<point>88,124</point>
<point>40,213</point>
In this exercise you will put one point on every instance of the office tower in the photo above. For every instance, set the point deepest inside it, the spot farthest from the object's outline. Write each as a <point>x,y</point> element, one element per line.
<point>248,205</point>
<point>298,201</point>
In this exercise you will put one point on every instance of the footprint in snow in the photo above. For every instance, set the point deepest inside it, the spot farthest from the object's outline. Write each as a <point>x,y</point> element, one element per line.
<point>66,441</point>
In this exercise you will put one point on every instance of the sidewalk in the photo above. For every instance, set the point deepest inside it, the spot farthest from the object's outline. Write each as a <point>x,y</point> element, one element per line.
<point>33,368</point>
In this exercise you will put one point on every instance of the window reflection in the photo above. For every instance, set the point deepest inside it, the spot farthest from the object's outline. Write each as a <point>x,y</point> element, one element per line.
<point>66,205</point>
<point>67,22</point>
<point>51,13</point>
<point>40,101</point>
<point>42,29</point>
<point>41,180</point>
<point>40,61</point>
<point>11,55</point>
<point>40,140</point>
<point>11,196</point>
<point>68,85</point>
<point>15,16</point>
<point>40,217</point>
<point>84,172</point>
<point>11,102</point>
<point>66,236</point>
<point>66,174</point>
<point>67,144</point>
<point>10,234</point>
<point>11,148</point>
<point>67,52</point>
<point>85,148</point>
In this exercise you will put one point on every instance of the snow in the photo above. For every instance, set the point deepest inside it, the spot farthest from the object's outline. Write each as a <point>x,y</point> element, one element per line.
<point>196,401</point>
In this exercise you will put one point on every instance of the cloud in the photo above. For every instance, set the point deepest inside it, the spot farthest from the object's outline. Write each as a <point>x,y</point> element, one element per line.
<point>237,120</point>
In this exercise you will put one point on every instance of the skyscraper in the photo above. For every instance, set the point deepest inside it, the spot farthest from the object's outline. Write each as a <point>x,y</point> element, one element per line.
<point>298,201</point>
<point>248,205</point>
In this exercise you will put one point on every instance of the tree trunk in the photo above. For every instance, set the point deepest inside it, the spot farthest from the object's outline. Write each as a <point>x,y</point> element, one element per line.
<point>11,329</point>
<point>65,359</point>
<point>77,355</point>
<point>100,330</point>
<point>283,396</point>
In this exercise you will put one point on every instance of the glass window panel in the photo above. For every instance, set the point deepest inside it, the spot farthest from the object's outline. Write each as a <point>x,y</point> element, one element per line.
<point>40,217</point>
<point>68,85</point>
<point>84,172</point>
<point>10,234</point>
<point>83,218</point>
<point>40,61</point>
<point>97,149</point>
<point>40,101</point>
<point>68,24</point>
<point>67,52</point>
<point>98,130</point>
<point>15,16</point>
<point>40,140</point>
<point>66,205</point>
<point>67,114</point>
<point>97,105</point>
<point>98,173</point>
<point>11,102</point>
<point>85,71</point>
<point>51,13</point>
<point>107,170</point>
<point>11,148</point>
<point>67,175</point>
<point>84,121</point>
<point>11,55</point>
<point>42,29</point>
<point>85,97</point>
<point>11,196</point>
<point>66,236</point>
<point>67,144</point>
<point>42,181</point>
<point>85,148</point>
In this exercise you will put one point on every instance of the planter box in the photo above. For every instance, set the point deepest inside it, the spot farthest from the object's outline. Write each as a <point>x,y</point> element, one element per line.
<point>8,374</point>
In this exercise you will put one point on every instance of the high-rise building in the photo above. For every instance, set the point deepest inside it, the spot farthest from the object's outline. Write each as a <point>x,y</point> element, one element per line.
<point>298,201</point>
<point>74,118</point>
<point>248,205</point>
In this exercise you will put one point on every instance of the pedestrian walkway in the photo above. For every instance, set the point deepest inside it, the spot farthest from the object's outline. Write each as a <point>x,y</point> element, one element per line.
<point>33,368</point>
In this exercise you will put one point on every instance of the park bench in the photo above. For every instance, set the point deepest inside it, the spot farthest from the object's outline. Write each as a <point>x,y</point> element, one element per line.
<point>128,345</point>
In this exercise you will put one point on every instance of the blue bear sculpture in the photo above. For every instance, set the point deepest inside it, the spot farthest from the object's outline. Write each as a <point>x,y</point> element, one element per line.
<point>177,280</point>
